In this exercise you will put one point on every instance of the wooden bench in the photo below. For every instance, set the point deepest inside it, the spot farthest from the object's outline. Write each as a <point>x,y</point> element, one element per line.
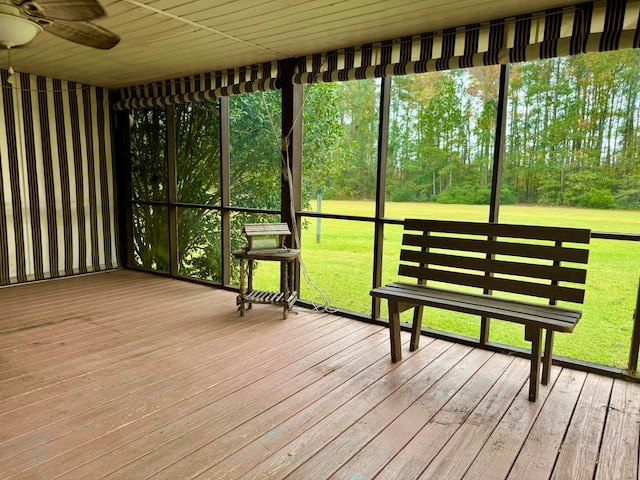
<point>516,259</point>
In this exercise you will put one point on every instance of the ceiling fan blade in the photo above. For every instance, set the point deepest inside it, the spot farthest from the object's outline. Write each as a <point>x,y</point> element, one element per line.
<point>71,10</point>
<point>84,33</point>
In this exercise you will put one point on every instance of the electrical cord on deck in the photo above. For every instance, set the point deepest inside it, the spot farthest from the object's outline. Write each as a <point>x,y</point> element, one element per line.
<point>286,172</point>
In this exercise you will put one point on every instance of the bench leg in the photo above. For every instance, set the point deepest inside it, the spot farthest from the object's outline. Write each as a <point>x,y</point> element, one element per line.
<point>535,334</point>
<point>416,328</point>
<point>394,331</point>
<point>241,294</point>
<point>548,357</point>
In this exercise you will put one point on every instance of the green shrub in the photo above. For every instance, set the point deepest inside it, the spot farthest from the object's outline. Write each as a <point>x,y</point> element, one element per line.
<point>628,199</point>
<point>596,198</point>
<point>507,196</point>
<point>475,195</point>
<point>455,195</point>
<point>404,193</point>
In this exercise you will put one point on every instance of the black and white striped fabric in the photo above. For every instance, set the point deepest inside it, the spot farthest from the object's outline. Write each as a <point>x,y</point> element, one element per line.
<point>588,27</point>
<point>57,208</point>
<point>201,87</point>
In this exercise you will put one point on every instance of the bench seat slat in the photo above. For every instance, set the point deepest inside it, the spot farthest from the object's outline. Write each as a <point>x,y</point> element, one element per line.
<point>562,274</point>
<point>523,249</point>
<point>522,287</point>
<point>540,308</point>
<point>551,317</point>
<point>559,234</point>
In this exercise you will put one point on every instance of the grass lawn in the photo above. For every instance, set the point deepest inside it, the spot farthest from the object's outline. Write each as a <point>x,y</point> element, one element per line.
<point>341,265</point>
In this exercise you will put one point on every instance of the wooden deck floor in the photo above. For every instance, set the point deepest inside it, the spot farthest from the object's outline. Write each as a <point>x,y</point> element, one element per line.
<point>128,375</point>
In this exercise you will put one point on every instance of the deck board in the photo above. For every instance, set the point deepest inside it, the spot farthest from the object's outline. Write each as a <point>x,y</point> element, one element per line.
<point>257,408</point>
<point>412,393</point>
<point>619,452</point>
<point>579,454</point>
<point>127,375</point>
<point>537,456</point>
<point>287,453</point>
<point>443,409</point>
<point>179,379</point>
<point>456,456</point>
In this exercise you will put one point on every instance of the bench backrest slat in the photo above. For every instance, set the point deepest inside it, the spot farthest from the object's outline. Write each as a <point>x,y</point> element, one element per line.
<point>533,232</point>
<point>527,250</point>
<point>521,259</point>
<point>559,273</point>
<point>520,287</point>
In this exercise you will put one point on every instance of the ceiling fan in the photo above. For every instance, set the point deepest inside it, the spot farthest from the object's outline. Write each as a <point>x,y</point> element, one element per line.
<point>22,20</point>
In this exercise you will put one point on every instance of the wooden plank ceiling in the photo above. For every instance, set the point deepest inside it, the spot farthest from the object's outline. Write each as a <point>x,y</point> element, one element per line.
<point>164,39</point>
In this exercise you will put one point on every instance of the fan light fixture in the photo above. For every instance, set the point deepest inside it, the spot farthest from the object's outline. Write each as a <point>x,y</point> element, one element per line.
<point>15,30</point>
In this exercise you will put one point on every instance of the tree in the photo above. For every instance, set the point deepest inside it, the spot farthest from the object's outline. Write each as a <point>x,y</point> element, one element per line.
<point>573,130</point>
<point>254,137</point>
<point>323,155</point>
<point>149,182</point>
<point>255,179</point>
<point>484,89</point>
<point>358,109</point>
<point>198,183</point>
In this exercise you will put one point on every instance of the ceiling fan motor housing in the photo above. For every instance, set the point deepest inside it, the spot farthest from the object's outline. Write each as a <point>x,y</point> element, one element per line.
<point>15,30</point>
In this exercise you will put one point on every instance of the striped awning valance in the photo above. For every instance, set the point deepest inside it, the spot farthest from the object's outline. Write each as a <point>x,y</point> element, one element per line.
<point>588,27</point>
<point>201,87</point>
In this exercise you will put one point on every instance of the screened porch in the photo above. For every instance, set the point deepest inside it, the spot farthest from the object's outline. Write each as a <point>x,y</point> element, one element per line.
<point>127,174</point>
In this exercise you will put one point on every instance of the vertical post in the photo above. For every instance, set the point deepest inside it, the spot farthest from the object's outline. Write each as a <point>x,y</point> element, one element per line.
<point>635,337</point>
<point>318,220</point>
<point>123,188</point>
<point>225,168</point>
<point>381,185</point>
<point>291,178</point>
<point>498,147</point>
<point>496,177</point>
<point>171,189</point>
<point>241,294</point>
